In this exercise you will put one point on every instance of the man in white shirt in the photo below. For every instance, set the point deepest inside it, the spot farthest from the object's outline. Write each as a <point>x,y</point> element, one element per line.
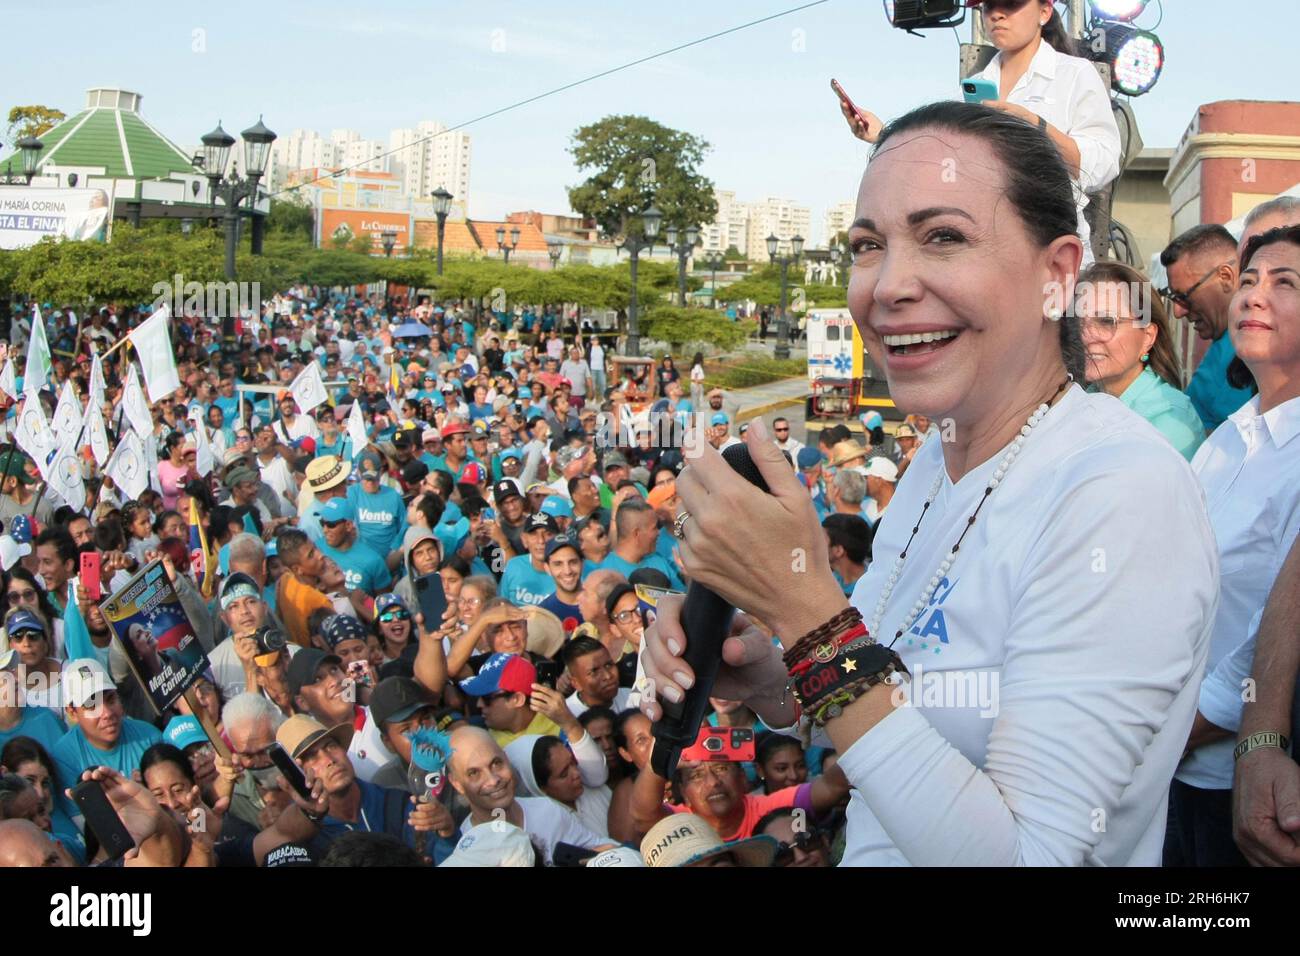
<point>292,425</point>
<point>781,434</point>
<point>481,773</point>
<point>597,370</point>
<point>274,469</point>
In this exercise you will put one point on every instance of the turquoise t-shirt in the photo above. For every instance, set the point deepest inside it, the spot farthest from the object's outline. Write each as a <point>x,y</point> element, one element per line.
<point>39,723</point>
<point>614,563</point>
<point>1211,395</point>
<point>74,754</point>
<point>523,584</point>
<point>1169,410</point>
<point>381,517</point>
<point>363,569</point>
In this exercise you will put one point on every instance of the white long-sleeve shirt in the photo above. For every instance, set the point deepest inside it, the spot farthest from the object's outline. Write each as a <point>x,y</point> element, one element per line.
<point>1056,670</point>
<point>1067,92</point>
<point>1250,470</point>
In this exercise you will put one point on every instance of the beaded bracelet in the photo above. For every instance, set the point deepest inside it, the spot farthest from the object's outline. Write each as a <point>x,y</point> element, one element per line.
<point>803,647</point>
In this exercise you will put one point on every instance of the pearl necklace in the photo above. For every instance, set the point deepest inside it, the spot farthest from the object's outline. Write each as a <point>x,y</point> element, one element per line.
<point>999,474</point>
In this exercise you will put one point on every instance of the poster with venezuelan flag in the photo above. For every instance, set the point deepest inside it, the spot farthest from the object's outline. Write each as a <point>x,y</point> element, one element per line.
<point>200,555</point>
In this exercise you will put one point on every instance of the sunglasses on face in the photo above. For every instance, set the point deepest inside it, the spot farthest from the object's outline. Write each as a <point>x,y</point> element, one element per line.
<point>333,524</point>
<point>399,615</point>
<point>805,842</point>
<point>21,597</point>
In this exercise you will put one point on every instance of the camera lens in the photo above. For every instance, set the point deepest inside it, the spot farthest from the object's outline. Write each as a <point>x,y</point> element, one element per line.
<point>968,87</point>
<point>270,639</point>
<point>713,744</point>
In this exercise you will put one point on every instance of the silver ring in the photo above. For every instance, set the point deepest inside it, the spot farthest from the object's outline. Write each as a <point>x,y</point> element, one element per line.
<point>679,526</point>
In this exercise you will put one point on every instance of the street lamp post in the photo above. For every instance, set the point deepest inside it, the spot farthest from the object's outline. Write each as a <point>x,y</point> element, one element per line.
<point>554,250</point>
<point>501,241</point>
<point>441,207</point>
<point>715,261</point>
<point>783,322</point>
<point>690,236</point>
<point>233,191</point>
<point>29,147</point>
<point>634,243</point>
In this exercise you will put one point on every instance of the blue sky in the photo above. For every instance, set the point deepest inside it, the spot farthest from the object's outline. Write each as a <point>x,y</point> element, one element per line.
<point>760,97</point>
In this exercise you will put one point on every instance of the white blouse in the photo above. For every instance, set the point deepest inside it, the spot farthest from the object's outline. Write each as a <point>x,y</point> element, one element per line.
<point>1250,470</point>
<point>1056,670</point>
<point>1067,92</point>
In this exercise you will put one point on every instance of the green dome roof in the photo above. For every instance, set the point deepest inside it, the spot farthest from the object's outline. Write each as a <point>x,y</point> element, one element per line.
<point>110,133</point>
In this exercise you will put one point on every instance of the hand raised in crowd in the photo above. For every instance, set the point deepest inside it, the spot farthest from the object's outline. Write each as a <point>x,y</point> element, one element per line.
<point>550,703</point>
<point>319,803</point>
<point>868,132</point>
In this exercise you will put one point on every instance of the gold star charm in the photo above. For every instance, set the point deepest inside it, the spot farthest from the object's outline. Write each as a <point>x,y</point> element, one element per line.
<point>850,665</point>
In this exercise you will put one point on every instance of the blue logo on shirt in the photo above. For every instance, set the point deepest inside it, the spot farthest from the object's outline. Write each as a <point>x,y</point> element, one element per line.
<point>931,628</point>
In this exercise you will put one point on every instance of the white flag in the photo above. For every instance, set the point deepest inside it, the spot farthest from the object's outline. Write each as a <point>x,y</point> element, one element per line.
<point>37,372</point>
<point>357,429</point>
<point>97,385</point>
<point>308,389</point>
<point>34,436</point>
<point>137,409</point>
<point>64,477</point>
<point>126,466</point>
<point>67,416</point>
<point>203,457</point>
<point>8,380</point>
<point>154,346</point>
<point>95,434</point>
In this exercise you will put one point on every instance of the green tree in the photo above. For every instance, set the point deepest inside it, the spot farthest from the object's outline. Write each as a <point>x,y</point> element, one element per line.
<point>32,121</point>
<point>634,162</point>
<point>681,327</point>
<point>292,217</point>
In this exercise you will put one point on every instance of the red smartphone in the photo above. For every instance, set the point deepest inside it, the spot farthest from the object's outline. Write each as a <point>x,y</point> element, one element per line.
<point>90,575</point>
<point>722,743</point>
<point>839,91</point>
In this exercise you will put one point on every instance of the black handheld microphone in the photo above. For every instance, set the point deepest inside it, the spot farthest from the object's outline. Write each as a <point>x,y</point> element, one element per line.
<point>706,622</point>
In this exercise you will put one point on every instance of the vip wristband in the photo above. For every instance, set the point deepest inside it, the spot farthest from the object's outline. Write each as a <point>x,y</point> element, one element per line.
<point>1268,738</point>
<point>830,685</point>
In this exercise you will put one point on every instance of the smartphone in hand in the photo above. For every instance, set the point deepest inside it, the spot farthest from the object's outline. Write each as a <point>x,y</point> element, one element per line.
<point>102,818</point>
<point>432,598</point>
<point>977,90</point>
<point>290,770</point>
<point>853,107</point>
<point>90,571</point>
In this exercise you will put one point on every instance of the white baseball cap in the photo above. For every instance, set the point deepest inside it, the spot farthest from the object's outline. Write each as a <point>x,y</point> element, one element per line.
<point>619,856</point>
<point>493,844</point>
<point>82,680</point>
<point>880,467</point>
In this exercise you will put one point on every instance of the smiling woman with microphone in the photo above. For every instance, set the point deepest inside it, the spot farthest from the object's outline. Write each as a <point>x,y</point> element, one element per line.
<point>1013,576</point>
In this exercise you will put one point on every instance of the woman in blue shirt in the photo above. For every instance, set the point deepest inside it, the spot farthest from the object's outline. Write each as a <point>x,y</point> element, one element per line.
<point>1131,351</point>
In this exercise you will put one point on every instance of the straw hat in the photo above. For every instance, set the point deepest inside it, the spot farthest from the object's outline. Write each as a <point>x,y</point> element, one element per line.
<point>327,471</point>
<point>683,838</point>
<point>847,451</point>
<point>545,633</point>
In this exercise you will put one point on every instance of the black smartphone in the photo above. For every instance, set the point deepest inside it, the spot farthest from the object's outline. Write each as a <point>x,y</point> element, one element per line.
<point>432,598</point>
<point>290,770</point>
<point>566,854</point>
<point>548,672</point>
<point>102,818</point>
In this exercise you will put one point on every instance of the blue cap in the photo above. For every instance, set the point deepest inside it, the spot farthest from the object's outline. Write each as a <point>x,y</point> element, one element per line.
<point>337,509</point>
<point>719,418</point>
<point>20,529</point>
<point>557,507</point>
<point>512,453</point>
<point>24,620</point>
<point>183,731</point>
<point>808,458</point>
<point>525,391</point>
<point>561,541</point>
<point>872,420</point>
<point>502,672</point>
<point>385,601</point>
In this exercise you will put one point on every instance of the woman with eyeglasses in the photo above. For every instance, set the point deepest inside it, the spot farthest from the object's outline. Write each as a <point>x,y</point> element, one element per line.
<point>475,592</point>
<point>1131,352</point>
<point>393,625</point>
<point>28,632</point>
<point>798,843</point>
<point>22,590</point>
